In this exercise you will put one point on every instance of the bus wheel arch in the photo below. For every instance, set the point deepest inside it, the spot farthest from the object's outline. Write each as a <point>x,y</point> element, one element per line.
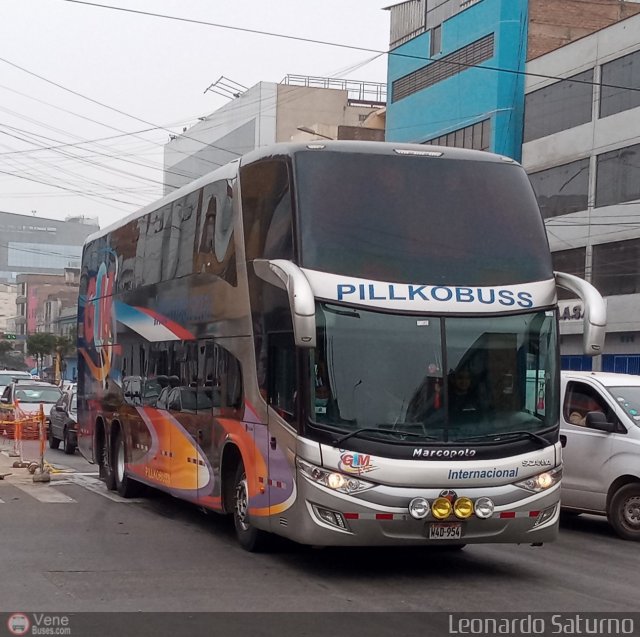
<point>235,500</point>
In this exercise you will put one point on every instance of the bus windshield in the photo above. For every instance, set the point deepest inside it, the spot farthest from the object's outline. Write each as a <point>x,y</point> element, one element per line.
<point>394,373</point>
<point>435,221</point>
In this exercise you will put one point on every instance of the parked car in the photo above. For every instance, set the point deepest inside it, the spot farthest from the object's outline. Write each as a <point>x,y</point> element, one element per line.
<point>600,430</point>
<point>30,394</point>
<point>63,421</point>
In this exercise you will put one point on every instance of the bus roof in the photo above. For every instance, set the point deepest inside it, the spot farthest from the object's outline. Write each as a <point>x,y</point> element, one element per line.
<point>290,149</point>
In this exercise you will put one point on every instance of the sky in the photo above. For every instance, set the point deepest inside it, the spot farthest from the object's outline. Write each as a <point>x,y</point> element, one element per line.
<point>72,73</point>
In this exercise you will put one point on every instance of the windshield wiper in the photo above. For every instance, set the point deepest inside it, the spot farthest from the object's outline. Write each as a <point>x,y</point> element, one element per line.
<point>507,436</point>
<point>397,432</point>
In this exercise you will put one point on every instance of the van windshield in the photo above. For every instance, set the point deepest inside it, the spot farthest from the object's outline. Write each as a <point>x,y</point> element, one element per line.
<point>5,378</point>
<point>629,399</point>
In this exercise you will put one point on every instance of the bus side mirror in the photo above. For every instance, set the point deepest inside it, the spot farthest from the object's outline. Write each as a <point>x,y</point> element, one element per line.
<point>288,276</point>
<point>595,311</point>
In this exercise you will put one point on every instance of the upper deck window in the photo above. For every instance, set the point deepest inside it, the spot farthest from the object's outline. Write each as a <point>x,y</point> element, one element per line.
<point>424,220</point>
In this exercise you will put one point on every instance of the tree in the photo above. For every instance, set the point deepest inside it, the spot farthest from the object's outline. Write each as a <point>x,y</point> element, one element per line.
<point>10,358</point>
<point>40,345</point>
<point>65,346</point>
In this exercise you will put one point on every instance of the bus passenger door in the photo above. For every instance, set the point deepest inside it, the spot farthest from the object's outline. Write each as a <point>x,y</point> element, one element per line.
<point>283,402</point>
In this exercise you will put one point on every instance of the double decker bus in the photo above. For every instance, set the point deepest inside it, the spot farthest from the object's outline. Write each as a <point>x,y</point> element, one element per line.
<point>343,343</point>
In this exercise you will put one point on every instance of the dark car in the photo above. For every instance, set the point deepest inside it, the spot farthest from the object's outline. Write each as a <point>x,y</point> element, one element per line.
<point>64,421</point>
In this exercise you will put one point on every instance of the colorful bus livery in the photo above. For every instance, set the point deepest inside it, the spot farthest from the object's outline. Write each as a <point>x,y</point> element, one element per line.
<point>342,343</point>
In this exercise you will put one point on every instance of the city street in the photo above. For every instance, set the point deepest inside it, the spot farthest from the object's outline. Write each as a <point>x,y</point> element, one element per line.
<point>73,546</point>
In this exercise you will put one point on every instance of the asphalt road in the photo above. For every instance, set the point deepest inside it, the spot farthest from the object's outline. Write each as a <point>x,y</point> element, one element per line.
<point>72,546</point>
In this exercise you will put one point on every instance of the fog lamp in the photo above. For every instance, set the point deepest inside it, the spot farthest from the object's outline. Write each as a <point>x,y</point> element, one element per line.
<point>441,508</point>
<point>484,508</point>
<point>331,517</point>
<point>418,508</point>
<point>545,515</point>
<point>463,508</point>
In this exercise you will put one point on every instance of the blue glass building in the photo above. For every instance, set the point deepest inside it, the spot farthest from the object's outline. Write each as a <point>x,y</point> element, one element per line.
<point>455,73</point>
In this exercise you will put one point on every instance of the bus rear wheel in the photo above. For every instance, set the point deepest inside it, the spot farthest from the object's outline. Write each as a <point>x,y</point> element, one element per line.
<point>125,486</point>
<point>249,538</point>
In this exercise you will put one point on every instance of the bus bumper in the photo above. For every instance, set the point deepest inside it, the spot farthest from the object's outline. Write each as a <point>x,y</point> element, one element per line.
<point>325,518</point>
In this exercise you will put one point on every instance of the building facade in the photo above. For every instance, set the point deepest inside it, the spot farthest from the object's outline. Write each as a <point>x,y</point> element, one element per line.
<point>582,152</point>
<point>41,298</point>
<point>456,67</point>
<point>269,113</point>
<point>8,294</point>
<point>440,89</point>
<point>36,245</point>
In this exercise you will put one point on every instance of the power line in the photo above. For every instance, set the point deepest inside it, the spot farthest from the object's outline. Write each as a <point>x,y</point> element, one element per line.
<point>116,110</point>
<point>343,46</point>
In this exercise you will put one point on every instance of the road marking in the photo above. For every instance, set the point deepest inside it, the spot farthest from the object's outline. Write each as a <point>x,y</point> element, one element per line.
<point>95,485</point>
<point>44,493</point>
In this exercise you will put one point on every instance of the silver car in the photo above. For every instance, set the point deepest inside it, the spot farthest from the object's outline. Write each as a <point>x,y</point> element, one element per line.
<point>600,430</point>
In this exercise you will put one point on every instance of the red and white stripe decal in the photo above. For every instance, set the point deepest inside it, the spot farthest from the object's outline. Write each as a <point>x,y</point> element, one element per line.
<point>406,516</point>
<point>278,484</point>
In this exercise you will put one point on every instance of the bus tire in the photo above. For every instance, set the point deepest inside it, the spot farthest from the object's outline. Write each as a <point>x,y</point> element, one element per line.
<point>105,460</point>
<point>125,486</point>
<point>249,538</point>
<point>624,512</point>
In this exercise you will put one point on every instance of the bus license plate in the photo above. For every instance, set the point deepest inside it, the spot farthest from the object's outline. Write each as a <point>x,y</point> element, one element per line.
<point>445,531</point>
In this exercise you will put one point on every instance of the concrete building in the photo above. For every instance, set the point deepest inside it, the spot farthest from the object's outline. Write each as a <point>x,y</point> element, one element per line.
<point>268,113</point>
<point>36,245</point>
<point>582,152</point>
<point>8,294</point>
<point>40,300</point>
<point>456,66</point>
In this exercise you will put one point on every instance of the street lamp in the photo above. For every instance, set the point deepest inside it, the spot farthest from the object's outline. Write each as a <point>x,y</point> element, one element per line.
<point>306,129</point>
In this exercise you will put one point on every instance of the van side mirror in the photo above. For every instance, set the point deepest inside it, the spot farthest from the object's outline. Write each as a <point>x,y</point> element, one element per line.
<point>597,420</point>
<point>563,440</point>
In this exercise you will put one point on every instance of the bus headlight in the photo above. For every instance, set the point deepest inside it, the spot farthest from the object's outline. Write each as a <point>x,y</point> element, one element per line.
<point>333,479</point>
<point>542,481</point>
<point>419,508</point>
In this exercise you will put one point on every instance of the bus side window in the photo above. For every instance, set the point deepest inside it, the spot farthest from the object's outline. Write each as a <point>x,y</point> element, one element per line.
<point>267,210</point>
<point>282,375</point>
<point>222,374</point>
<point>215,245</point>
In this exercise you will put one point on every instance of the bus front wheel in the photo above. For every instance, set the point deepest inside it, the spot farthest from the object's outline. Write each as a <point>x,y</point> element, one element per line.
<point>250,538</point>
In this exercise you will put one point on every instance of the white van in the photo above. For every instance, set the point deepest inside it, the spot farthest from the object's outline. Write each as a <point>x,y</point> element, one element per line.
<point>7,376</point>
<point>600,431</point>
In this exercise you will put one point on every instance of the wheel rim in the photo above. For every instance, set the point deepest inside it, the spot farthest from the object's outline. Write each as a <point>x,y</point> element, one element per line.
<point>242,503</point>
<point>631,513</point>
<point>120,461</point>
